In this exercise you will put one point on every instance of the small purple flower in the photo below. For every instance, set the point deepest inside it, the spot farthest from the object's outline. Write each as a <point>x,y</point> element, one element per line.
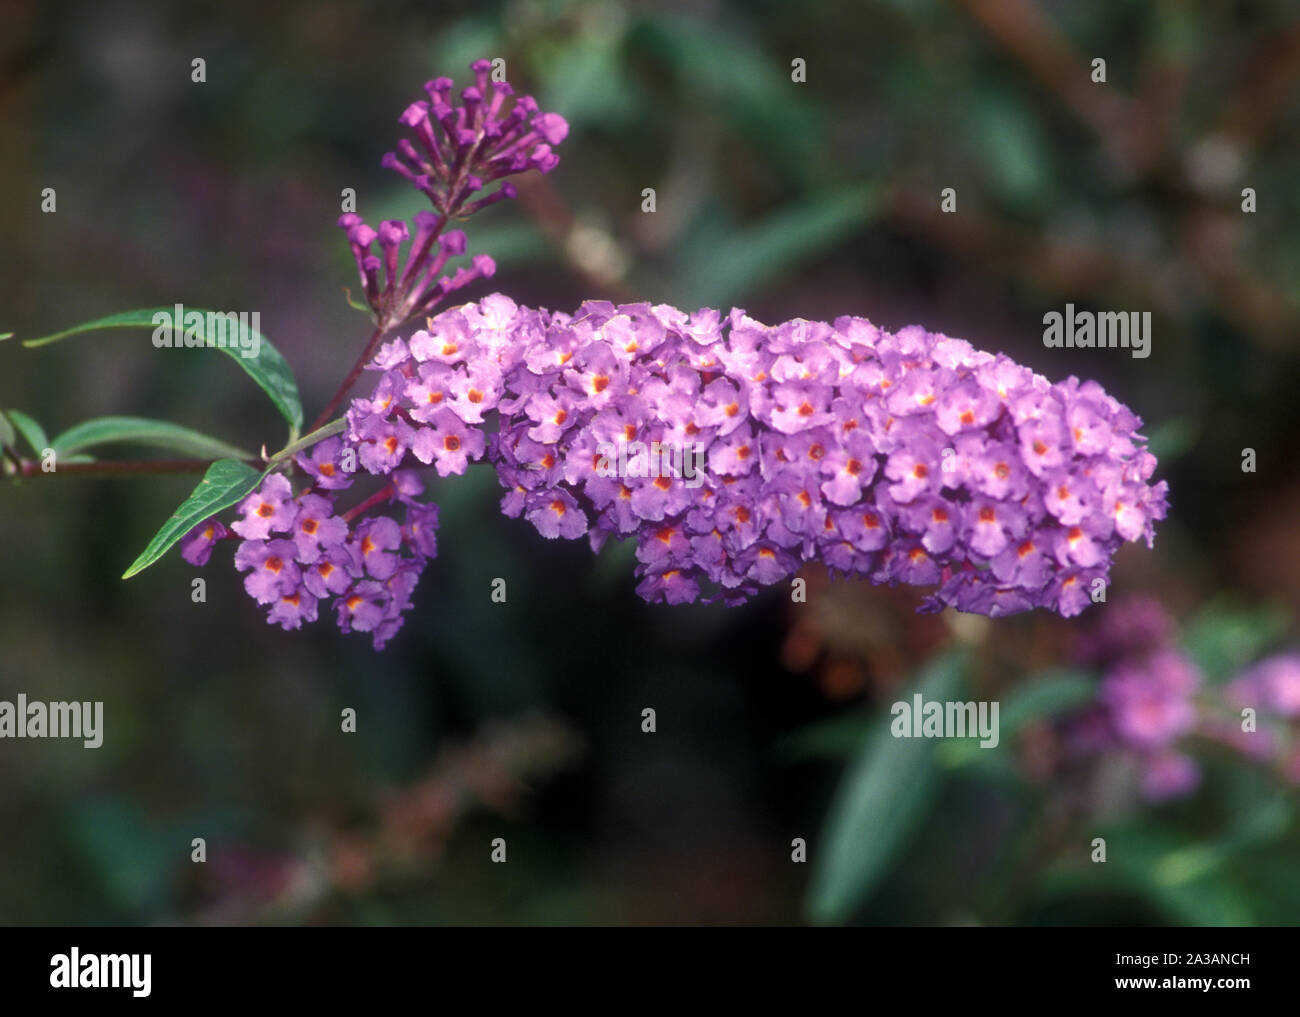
<point>272,572</point>
<point>196,546</point>
<point>381,443</point>
<point>291,610</point>
<point>363,609</point>
<point>449,444</point>
<point>555,513</point>
<point>421,530</point>
<point>332,572</point>
<point>324,464</point>
<point>269,509</point>
<point>316,527</point>
<point>373,543</point>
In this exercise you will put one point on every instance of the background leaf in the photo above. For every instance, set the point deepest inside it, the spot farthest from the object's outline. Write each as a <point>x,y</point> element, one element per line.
<point>1045,696</point>
<point>879,804</point>
<point>1223,638</point>
<point>30,430</point>
<point>269,369</point>
<point>834,737</point>
<point>144,431</point>
<point>226,482</point>
<point>717,273</point>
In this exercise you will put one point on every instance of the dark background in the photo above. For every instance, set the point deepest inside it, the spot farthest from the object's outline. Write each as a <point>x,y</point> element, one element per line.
<point>523,720</point>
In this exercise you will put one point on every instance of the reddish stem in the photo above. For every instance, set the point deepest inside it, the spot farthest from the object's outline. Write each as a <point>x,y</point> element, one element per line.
<point>327,414</point>
<point>382,495</point>
<point>117,467</point>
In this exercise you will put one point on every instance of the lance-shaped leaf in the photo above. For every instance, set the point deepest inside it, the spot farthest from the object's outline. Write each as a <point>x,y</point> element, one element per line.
<point>880,802</point>
<point>143,431</point>
<point>31,431</point>
<point>226,482</point>
<point>268,368</point>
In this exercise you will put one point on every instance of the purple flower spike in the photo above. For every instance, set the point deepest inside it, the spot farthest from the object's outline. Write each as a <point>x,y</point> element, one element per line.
<point>735,452</point>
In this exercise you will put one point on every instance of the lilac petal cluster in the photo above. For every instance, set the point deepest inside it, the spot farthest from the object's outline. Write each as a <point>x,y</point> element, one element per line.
<point>457,150</point>
<point>1272,684</point>
<point>1151,700</point>
<point>1270,688</point>
<point>1146,704</point>
<point>904,457</point>
<point>303,559</point>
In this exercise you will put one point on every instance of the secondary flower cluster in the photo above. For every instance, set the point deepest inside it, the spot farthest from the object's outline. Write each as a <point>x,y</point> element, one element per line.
<point>461,149</point>
<point>904,458</point>
<point>298,552</point>
<point>1151,700</point>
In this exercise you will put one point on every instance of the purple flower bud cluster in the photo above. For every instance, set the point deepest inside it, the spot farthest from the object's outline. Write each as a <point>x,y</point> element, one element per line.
<point>298,553</point>
<point>419,286</point>
<point>903,458</point>
<point>459,150</point>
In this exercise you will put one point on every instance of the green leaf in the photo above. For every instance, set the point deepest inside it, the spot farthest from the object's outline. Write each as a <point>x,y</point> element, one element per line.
<point>226,482</point>
<point>30,430</point>
<point>834,737</point>
<point>1006,138</point>
<point>1224,638</point>
<point>730,74</point>
<point>879,804</point>
<point>143,431</point>
<point>1045,696</point>
<point>717,274</point>
<point>7,433</point>
<point>269,369</point>
<point>336,426</point>
<point>1174,438</point>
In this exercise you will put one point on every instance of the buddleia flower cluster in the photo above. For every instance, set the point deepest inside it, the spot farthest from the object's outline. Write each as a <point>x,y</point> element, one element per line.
<point>902,457</point>
<point>1152,702</point>
<point>298,553</point>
